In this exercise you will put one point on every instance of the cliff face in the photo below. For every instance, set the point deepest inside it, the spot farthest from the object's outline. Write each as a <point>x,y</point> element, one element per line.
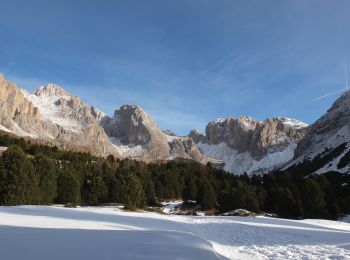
<point>136,135</point>
<point>245,134</point>
<point>247,145</point>
<point>16,112</point>
<point>53,116</point>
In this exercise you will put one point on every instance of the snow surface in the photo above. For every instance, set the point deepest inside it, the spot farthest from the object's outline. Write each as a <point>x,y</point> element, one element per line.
<point>240,163</point>
<point>169,207</point>
<point>42,232</point>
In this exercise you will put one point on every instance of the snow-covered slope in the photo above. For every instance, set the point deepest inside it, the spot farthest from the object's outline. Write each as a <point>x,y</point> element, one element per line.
<point>93,233</point>
<point>328,137</point>
<point>240,163</point>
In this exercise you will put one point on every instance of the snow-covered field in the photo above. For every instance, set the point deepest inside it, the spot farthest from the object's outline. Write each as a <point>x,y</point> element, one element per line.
<point>41,233</point>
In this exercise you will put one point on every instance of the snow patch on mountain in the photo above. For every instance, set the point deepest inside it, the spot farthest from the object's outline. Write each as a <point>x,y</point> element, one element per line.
<point>5,129</point>
<point>127,151</point>
<point>330,140</point>
<point>50,106</point>
<point>20,132</point>
<point>172,138</point>
<point>333,165</point>
<point>293,122</point>
<point>320,144</point>
<point>240,163</point>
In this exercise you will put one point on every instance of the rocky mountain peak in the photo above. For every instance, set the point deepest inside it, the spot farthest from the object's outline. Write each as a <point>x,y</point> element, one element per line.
<point>136,135</point>
<point>246,122</point>
<point>53,116</point>
<point>131,124</point>
<point>343,102</point>
<point>236,132</point>
<point>197,136</point>
<point>52,90</point>
<point>134,116</point>
<point>168,132</point>
<point>98,114</point>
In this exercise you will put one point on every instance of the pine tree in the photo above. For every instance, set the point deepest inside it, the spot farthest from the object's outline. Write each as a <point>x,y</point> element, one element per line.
<point>114,190</point>
<point>18,182</point>
<point>284,203</point>
<point>132,193</point>
<point>206,196</point>
<point>313,200</point>
<point>190,190</point>
<point>94,191</point>
<point>150,192</point>
<point>47,171</point>
<point>68,187</point>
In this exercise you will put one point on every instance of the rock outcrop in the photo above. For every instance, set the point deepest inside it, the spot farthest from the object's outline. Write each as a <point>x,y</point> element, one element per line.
<point>197,136</point>
<point>136,135</point>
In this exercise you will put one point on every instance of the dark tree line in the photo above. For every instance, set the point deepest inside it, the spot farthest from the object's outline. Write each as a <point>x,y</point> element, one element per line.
<point>37,174</point>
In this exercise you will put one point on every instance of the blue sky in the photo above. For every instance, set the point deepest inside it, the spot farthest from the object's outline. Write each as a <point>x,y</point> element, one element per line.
<point>184,62</point>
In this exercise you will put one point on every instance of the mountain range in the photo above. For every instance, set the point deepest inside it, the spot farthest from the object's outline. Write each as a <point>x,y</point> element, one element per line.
<point>240,145</point>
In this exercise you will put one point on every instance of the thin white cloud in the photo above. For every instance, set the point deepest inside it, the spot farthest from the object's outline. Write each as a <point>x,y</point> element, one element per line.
<point>317,99</point>
<point>211,67</point>
<point>328,95</point>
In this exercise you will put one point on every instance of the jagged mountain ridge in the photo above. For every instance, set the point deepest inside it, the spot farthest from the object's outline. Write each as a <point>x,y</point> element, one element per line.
<point>53,116</point>
<point>136,135</point>
<point>247,145</point>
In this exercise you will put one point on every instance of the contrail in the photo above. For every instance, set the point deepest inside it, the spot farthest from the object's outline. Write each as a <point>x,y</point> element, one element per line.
<point>210,68</point>
<point>318,99</point>
<point>328,95</point>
